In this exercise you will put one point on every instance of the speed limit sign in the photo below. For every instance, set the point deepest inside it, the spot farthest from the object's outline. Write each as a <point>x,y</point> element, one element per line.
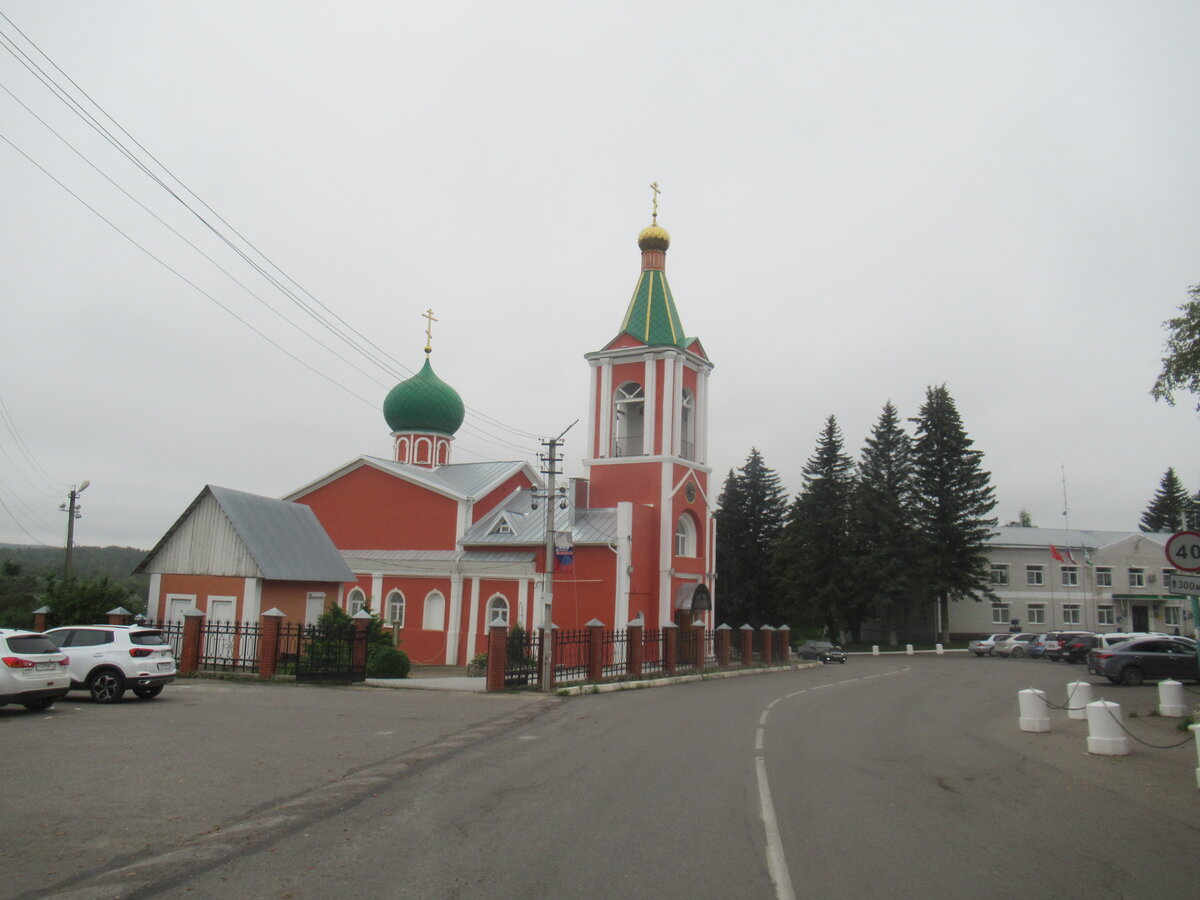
<point>1183,551</point>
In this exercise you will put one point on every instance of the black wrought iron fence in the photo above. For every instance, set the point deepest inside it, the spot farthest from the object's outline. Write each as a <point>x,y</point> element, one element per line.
<point>570,655</point>
<point>614,647</point>
<point>652,651</point>
<point>230,647</point>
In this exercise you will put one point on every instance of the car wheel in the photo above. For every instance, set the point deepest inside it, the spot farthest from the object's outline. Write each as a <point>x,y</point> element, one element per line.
<point>107,686</point>
<point>43,703</point>
<point>980,655</point>
<point>1133,675</point>
<point>1113,679</point>
<point>1017,652</point>
<point>149,692</point>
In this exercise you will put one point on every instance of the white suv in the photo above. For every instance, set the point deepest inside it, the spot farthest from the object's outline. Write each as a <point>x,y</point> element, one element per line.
<point>33,671</point>
<point>106,659</point>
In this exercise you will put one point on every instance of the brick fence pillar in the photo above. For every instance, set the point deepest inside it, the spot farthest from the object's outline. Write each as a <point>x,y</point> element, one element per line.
<point>723,634</point>
<point>768,642</point>
<point>119,616</point>
<point>670,633</point>
<point>193,634</point>
<point>785,644</point>
<point>636,652</point>
<point>747,644</point>
<point>497,654</point>
<point>595,663</point>
<point>268,642</point>
<point>362,622</point>
<point>39,618</point>
<point>698,631</point>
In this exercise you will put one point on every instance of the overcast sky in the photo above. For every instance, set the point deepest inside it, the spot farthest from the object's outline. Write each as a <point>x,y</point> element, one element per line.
<point>864,199</point>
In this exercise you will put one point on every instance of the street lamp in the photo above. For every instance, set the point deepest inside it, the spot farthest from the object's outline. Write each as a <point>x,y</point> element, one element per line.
<point>73,513</point>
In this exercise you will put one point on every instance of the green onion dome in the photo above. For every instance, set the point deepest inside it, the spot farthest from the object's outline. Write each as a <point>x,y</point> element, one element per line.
<point>424,403</point>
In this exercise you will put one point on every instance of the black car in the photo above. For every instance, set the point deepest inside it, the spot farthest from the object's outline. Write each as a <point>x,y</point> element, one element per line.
<point>1135,661</point>
<point>1077,648</point>
<point>825,651</point>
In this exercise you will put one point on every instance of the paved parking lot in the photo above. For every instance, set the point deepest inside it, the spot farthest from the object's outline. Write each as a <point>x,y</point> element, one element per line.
<point>87,786</point>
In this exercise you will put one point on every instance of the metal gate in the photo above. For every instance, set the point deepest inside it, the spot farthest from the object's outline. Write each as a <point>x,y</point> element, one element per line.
<point>324,653</point>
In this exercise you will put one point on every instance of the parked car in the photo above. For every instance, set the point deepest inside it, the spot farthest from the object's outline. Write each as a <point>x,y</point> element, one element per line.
<point>825,651</point>
<point>1077,649</point>
<point>985,646</point>
<point>1056,641</point>
<point>1037,647</point>
<point>33,671</point>
<point>1014,645</point>
<point>107,659</point>
<point>1134,661</point>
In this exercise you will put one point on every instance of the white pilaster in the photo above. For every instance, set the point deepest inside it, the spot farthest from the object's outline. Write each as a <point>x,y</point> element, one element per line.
<point>377,598</point>
<point>667,417</point>
<point>701,417</point>
<point>455,629</point>
<point>649,406</point>
<point>524,614</point>
<point>472,625</point>
<point>666,544</point>
<point>463,522</point>
<point>251,599</point>
<point>676,407</point>
<point>593,409</point>
<point>606,410</point>
<point>624,562</point>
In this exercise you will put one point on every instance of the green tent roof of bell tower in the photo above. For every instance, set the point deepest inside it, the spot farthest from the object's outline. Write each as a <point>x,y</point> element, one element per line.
<point>652,316</point>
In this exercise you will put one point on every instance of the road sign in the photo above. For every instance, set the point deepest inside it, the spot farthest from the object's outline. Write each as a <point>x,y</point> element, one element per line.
<point>1184,584</point>
<point>1183,551</point>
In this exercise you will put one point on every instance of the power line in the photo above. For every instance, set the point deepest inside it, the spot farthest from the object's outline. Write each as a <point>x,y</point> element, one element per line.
<point>34,465</point>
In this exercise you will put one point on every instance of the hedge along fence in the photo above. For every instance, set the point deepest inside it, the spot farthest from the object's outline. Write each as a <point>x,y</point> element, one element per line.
<point>594,654</point>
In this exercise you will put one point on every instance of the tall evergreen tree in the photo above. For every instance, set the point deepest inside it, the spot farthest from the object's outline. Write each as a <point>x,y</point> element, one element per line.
<point>751,514</point>
<point>953,498</point>
<point>1170,506</point>
<point>883,526</point>
<point>814,551</point>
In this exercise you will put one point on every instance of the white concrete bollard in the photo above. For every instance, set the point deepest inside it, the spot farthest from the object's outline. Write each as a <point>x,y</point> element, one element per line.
<point>1170,699</point>
<point>1105,737</point>
<point>908,650</point>
<point>1079,695</point>
<point>940,649</point>
<point>874,649</point>
<point>1195,730</point>
<point>1035,715</point>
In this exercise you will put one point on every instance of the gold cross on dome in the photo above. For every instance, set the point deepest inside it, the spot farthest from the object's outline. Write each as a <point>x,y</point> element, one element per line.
<point>654,215</point>
<point>429,320</point>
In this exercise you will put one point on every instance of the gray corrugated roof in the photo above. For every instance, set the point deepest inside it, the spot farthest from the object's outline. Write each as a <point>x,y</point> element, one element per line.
<point>285,539</point>
<point>461,479</point>
<point>592,526</point>
<point>1062,537</point>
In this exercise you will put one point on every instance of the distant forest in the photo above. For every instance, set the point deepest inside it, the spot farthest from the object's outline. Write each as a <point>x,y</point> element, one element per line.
<point>26,572</point>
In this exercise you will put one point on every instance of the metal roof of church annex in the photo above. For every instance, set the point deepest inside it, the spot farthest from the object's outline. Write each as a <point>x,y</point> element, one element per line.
<point>285,540</point>
<point>461,481</point>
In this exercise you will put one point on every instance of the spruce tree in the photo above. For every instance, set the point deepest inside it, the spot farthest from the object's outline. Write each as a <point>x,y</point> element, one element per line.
<point>814,551</point>
<point>953,496</point>
<point>752,509</point>
<point>1170,506</point>
<point>883,526</point>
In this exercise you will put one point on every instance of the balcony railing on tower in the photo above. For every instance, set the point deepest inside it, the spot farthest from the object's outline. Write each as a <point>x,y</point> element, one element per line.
<point>629,445</point>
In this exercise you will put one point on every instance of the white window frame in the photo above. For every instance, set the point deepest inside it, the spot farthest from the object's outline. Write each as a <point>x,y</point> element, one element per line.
<point>685,536</point>
<point>1072,614</point>
<point>1000,573</point>
<point>629,414</point>
<point>1106,615</point>
<point>1035,575</point>
<point>1104,577</point>
<point>1171,615</point>
<point>356,600</point>
<point>1000,613</point>
<point>1137,577</point>
<point>395,604</point>
<point>429,621</point>
<point>1035,614</point>
<point>1070,576</point>
<point>497,603</point>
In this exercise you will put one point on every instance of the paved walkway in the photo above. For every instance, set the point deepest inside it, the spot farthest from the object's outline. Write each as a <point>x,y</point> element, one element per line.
<point>435,678</point>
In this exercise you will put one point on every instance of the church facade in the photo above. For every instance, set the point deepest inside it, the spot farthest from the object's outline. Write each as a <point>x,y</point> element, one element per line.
<point>439,549</point>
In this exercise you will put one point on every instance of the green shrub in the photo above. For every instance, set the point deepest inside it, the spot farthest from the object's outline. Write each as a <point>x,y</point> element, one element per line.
<point>386,661</point>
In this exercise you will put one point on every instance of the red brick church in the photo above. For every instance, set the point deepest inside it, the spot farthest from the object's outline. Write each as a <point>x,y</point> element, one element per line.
<point>439,549</point>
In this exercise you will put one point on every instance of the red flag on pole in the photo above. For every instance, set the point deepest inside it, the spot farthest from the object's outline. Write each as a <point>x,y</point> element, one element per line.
<point>1054,552</point>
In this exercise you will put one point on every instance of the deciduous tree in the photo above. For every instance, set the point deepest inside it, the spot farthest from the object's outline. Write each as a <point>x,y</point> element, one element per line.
<point>1181,364</point>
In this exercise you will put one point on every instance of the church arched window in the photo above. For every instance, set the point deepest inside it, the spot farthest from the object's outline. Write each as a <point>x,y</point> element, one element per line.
<point>497,606</point>
<point>434,618</point>
<point>687,423</point>
<point>356,601</point>
<point>395,609</point>
<point>629,410</point>
<point>685,536</point>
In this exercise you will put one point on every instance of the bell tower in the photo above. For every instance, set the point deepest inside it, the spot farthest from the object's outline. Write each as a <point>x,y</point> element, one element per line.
<point>648,441</point>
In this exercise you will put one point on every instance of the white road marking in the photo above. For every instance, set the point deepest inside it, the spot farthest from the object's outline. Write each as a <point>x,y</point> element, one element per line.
<point>762,720</point>
<point>776,700</point>
<point>776,863</point>
<point>529,737</point>
<point>758,739</point>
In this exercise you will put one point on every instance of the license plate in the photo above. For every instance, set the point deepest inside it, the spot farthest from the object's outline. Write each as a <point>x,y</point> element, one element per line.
<point>47,666</point>
<point>166,667</point>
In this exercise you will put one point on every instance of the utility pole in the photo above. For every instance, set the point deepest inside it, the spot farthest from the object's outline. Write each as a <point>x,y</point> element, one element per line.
<point>73,513</point>
<point>553,497</point>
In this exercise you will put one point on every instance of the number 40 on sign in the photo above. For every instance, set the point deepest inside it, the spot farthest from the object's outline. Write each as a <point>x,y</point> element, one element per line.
<point>1183,551</point>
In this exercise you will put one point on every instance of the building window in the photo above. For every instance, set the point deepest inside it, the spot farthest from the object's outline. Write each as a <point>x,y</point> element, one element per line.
<point>687,425</point>
<point>999,574</point>
<point>1103,576</point>
<point>1070,576</point>
<point>395,609</point>
<point>434,617</point>
<point>1105,615</point>
<point>1137,577</point>
<point>497,608</point>
<point>1037,614</point>
<point>357,601</point>
<point>1171,615</point>
<point>1166,577</point>
<point>685,536</point>
<point>502,526</point>
<point>1033,575</point>
<point>1071,614</point>
<point>999,613</point>
<point>629,407</point>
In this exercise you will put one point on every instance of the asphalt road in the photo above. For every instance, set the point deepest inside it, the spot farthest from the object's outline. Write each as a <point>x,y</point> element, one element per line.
<point>892,776</point>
